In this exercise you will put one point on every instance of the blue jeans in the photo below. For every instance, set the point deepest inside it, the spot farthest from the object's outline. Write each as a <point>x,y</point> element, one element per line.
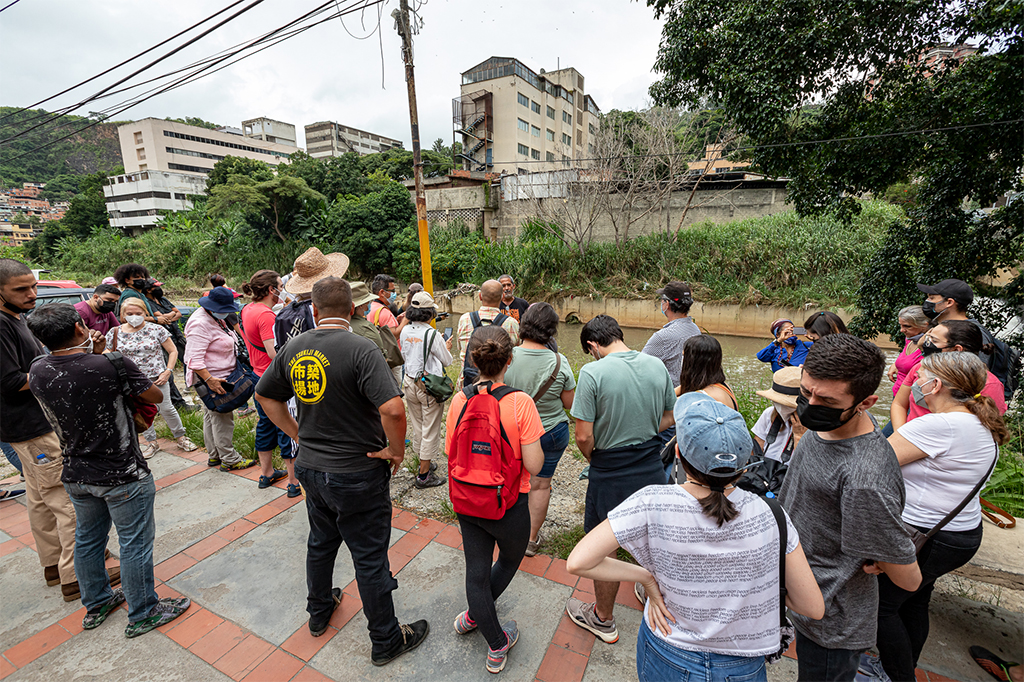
<point>11,455</point>
<point>268,436</point>
<point>130,507</point>
<point>656,661</point>
<point>353,508</point>
<point>553,443</point>
<point>815,663</point>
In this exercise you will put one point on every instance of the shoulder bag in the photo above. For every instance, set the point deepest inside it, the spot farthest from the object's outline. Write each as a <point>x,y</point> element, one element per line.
<point>392,353</point>
<point>438,386</point>
<point>240,384</point>
<point>142,413</point>
<point>919,539</point>
<point>551,379</point>
<point>787,633</point>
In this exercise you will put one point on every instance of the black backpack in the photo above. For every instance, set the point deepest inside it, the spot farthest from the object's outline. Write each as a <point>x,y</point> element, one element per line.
<point>1004,363</point>
<point>469,370</point>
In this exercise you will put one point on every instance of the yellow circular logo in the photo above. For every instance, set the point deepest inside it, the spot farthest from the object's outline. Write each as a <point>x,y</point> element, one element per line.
<point>309,380</point>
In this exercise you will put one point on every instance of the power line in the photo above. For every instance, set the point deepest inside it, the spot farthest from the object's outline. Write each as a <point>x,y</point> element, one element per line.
<point>117,66</point>
<point>198,74</point>
<point>10,5</point>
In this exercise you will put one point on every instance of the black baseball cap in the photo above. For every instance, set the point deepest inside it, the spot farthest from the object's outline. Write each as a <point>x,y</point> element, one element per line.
<point>677,292</point>
<point>956,289</point>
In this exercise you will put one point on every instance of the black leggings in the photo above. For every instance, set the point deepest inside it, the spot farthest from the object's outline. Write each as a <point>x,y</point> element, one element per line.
<point>903,616</point>
<point>485,582</point>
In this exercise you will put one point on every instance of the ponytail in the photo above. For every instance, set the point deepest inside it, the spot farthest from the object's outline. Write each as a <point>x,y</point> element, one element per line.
<point>715,505</point>
<point>984,408</point>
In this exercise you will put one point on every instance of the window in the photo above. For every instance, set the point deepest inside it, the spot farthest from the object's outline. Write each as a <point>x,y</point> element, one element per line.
<point>566,139</point>
<point>593,130</point>
<point>138,138</point>
<point>524,150</point>
<point>590,148</point>
<point>551,135</point>
<point>535,106</point>
<point>550,156</point>
<point>551,113</point>
<point>535,131</point>
<point>524,100</point>
<point>579,137</point>
<point>523,125</point>
<point>567,117</point>
<point>535,154</point>
<point>141,154</point>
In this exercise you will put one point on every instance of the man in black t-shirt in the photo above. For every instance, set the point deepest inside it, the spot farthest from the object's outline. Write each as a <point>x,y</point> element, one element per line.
<point>351,433</point>
<point>106,475</point>
<point>22,424</point>
<point>511,305</point>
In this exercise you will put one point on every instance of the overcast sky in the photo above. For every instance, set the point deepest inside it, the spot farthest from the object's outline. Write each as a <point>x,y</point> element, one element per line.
<point>324,74</point>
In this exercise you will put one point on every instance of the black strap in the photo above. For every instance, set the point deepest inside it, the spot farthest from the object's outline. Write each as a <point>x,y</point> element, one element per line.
<point>426,349</point>
<point>773,431</point>
<point>963,503</point>
<point>117,360</point>
<point>780,519</point>
<point>551,379</point>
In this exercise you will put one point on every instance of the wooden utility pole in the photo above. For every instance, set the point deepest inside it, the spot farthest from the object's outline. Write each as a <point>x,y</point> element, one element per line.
<point>405,31</point>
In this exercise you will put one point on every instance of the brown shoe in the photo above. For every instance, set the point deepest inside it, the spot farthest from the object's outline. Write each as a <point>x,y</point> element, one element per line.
<point>52,575</point>
<point>72,592</point>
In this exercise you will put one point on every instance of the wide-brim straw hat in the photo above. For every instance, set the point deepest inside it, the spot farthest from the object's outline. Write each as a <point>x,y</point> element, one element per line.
<point>785,386</point>
<point>313,266</point>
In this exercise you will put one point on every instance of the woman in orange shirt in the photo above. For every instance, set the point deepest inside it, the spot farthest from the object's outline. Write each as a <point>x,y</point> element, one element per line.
<point>491,349</point>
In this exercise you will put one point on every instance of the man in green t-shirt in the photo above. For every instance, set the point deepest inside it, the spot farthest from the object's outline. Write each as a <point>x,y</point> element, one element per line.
<point>621,404</point>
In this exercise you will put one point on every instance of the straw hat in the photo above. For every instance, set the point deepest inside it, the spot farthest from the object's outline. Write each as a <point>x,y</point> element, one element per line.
<point>313,266</point>
<point>785,386</point>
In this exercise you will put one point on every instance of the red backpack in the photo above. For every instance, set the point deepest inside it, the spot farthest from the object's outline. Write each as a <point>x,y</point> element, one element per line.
<point>483,472</point>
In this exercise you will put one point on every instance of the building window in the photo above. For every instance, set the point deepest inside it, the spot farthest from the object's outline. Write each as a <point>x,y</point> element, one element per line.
<point>535,131</point>
<point>523,125</point>
<point>567,117</point>
<point>535,154</point>
<point>566,139</point>
<point>579,137</point>
<point>535,106</point>
<point>550,156</point>
<point>141,154</point>
<point>590,148</point>
<point>191,169</point>
<point>138,138</point>
<point>524,150</point>
<point>524,100</point>
<point>551,113</point>
<point>593,130</point>
<point>551,135</point>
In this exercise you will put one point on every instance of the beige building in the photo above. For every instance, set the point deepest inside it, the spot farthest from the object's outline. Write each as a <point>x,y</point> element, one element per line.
<point>327,138</point>
<point>715,161</point>
<point>511,119</point>
<point>154,144</point>
<point>269,130</point>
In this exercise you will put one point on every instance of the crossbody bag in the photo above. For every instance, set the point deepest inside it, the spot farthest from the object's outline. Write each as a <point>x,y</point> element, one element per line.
<point>439,386</point>
<point>787,633</point>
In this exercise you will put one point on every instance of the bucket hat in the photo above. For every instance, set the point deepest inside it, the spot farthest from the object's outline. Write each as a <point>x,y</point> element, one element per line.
<point>313,266</point>
<point>712,438</point>
<point>219,300</point>
<point>361,294</point>
<point>785,387</point>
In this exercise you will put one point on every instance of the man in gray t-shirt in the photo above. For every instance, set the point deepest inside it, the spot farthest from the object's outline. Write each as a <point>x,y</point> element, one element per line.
<point>844,492</point>
<point>666,344</point>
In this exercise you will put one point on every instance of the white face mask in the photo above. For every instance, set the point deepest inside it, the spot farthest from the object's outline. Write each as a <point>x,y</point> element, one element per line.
<point>135,320</point>
<point>87,345</point>
<point>785,411</point>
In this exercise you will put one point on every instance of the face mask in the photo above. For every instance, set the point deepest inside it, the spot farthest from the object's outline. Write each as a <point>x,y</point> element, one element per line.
<point>107,306</point>
<point>322,320</point>
<point>790,341</point>
<point>87,345</point>
<point>18,310</point>
<point>785,411</point>
<point>664,310</point>
<point>929,310</point>
<point>393,296</point>
<point>916,337</point>
<point>220,316</point>
<point>820,417</point>
<point>919,394</point>
<point>929,348</point>
<point>135,320</point>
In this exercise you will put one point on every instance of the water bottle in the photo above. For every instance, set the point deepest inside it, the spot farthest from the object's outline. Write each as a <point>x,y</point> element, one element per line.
<point>42,459</point>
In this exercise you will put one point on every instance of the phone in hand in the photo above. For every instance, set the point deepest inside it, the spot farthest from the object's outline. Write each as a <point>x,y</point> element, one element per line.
<point>799,331</point>
<point>227,386</point>
<point>447,333</point>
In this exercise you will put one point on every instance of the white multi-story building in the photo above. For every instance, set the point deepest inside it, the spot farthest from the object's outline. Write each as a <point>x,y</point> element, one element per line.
<point>327,138</point>
<point>136,200</point>
<point>269,130</point>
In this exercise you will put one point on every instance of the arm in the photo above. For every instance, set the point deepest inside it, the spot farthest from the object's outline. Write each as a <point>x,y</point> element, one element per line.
<point>899,407</point>
<point>802,592</point>
<point>392,418</point>
<point>533,457</point>
<point>667,420</point>
<point>152,395</point>
<point>589,559</point>
<point>906,452</point>
<point>767,354</point>
<point>278,413</point>
<point>566,398</point>
<point>904,576</point>
<point>13,379</point>
<point>172,360</point>
<point>198,343</point>
<point>585,437</point>
<point>268,345</point>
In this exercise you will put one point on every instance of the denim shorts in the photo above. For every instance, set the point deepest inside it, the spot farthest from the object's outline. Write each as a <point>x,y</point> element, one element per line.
<point>268,436</point>
<point>553,443</point>
<point>657,660</point>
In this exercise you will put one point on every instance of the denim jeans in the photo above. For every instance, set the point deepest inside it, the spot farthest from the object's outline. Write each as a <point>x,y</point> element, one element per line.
<point>903,616</point>
<point>553,444</point>
<point>657,660</point>
<point>11,455</point>
<point>130,507</point>
<point>353,508</point>
<point>815,663</point>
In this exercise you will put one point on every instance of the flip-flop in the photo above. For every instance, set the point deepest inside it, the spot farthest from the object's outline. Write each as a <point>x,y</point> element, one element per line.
<point>992,664</point>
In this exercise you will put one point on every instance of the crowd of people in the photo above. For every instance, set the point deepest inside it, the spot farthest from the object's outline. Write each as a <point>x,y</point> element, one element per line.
<point>850,534</point>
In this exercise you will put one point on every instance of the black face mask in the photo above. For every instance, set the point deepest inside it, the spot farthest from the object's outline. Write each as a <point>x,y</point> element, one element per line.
<point>929,348</point>
<point>820,417</point>
<point>928,307</point>
<point>17,310</point>
<point>107,306</point>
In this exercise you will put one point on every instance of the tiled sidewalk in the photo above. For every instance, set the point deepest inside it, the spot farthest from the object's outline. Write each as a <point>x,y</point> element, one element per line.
<point>238,552</point>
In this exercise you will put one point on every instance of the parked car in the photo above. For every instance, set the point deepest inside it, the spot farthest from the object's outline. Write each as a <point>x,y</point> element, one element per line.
<point>60,295</point>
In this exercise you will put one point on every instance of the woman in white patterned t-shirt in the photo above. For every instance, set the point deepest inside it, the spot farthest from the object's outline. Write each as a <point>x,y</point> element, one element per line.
<point>708,557</point>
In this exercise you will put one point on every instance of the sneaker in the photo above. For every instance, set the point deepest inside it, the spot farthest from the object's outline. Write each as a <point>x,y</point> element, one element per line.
<point>149,450</point>
<point>496,659</point>
<point>246,411</point>
<point>431,480</point>
<point>433,465</point>
<point>11,494</point>
<point>464,624</point>
<point>294,490</point>
<point>640,592</point>
<point>163,613</point>
<point>870,667</point>
<point>533,546</point>
<point>186,444</point>
<point>214,461</point>
<point>992,664</point>
<point>583,614</point>
<point>239,465</point>
<point>267,481</point>
<point>413,635</point>
<point>318,628</point>
<point>93,619</point>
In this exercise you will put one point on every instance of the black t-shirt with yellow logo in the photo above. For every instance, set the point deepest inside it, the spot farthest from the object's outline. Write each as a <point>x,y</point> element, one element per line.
<point>338,380</point>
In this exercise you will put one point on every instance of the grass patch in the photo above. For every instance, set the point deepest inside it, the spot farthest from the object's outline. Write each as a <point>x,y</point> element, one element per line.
<point>243,439</point>
<point>447,512</point>
<point>560,543</point>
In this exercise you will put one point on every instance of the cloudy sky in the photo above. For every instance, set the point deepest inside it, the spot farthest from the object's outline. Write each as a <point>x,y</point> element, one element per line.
<point>324,73</point>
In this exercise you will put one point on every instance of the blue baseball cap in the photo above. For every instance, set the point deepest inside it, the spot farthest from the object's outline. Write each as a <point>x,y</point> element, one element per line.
<point>712,438</point>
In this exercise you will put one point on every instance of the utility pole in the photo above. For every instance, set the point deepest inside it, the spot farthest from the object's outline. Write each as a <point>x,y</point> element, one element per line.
<point>405,31</point>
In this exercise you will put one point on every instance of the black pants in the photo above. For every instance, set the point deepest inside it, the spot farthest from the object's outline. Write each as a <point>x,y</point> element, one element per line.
<point>903,616</point>
<point>816,663</point>
<point>486,582</point>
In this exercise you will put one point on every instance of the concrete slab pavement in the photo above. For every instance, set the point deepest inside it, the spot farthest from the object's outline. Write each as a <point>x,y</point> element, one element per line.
<point>27,605</point>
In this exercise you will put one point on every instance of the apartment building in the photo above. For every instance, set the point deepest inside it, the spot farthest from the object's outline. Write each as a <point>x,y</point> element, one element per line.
<point>135,201</point>
<point>154,144</point>
<point>269,130</point>
<point>511,119</point>
<point>25,200</point>
<point>327,138</point>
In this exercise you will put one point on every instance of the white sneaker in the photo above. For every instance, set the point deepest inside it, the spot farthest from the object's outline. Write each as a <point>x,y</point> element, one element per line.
<point>149,450</point>
<point>187,445</point>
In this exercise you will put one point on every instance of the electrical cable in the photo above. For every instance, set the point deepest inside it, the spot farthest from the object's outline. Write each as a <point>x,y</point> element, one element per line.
<point>117,66</point>
<point>10,5</point>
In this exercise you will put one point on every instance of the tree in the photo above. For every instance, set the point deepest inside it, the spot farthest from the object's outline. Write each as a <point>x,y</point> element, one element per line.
<point>195,121</point>
<point>365,227</point>
<point>397,163</point>
<point>237,165</point>
<point>331,176</point>
<point>866,67</point>
<point>277,199</point>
